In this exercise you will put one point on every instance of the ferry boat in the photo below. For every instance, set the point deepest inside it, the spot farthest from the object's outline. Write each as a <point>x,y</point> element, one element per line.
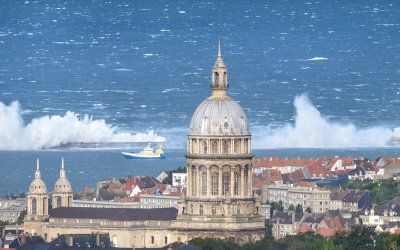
<point>146,153</point>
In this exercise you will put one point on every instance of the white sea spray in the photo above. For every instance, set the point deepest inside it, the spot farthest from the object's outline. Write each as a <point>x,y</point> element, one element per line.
<point>56,130</point>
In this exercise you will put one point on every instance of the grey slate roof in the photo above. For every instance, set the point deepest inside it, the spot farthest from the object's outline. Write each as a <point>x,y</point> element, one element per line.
<point>349,195</point>
<point>281,218</point>
<point>115,214</point>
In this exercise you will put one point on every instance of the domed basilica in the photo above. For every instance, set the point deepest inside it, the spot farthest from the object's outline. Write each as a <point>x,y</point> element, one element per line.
<point>219,200</point>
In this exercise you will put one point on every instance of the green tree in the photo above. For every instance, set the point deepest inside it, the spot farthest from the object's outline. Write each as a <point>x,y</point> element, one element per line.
<point>291,207</point>
<point>387,241</point>
<point>308,210</point>
<point>360,237</point>
<point>212,243</point>
<point>299,208</point>
<point>276,206</point>
<point>21,217</point>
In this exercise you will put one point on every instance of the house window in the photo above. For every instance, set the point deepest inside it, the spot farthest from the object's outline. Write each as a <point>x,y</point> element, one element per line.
<point>165,240</point>
<point>152,239</point>
<point>201,209</point>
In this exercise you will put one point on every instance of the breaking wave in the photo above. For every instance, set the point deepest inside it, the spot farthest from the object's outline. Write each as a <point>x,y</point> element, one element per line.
<point>313,130</point>
<point>55,131</point>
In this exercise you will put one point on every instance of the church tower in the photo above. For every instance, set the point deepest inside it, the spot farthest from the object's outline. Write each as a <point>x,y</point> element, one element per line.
<point>62,193</point>
<point>38,199</point>
<point>219,201</point>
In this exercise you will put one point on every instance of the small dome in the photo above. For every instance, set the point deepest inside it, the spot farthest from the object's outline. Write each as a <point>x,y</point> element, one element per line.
<point>37,187</point>
<point>62,186</point>
<point>219,116</point>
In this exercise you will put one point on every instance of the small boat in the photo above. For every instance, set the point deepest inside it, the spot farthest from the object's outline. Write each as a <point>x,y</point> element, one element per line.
<point>146,153</point>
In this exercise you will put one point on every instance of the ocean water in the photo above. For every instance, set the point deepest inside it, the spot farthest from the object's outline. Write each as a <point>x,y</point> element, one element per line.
<point>310,74</point>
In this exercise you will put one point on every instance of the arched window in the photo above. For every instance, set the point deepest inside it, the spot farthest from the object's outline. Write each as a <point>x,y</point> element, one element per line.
<point>225,183</point>
<point>214,146</point>
<point>213,210</point>
<point>194,146</point>
<point>45,206</point>
<point>204,183</point>
<point>58,201</point>
<point>204,145</point>
<point>246,174</point>
<point>236,179</point>
<point>194,181</point>
<point>191,209</point>
<point>226,146</point>
<point>34,206</point>
<point>201,209</point>
<point>214,184</point>
<point>152,239</point>
<point>236,146</point>
<point>183,210</point>
<point>216,79</point>
<point>225,80</point>
<point>165,240</point>
<point>246,146</point>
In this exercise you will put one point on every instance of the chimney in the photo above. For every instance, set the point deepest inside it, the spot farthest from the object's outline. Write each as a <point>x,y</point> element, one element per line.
<point>70,240</point>
<point>97,239</point>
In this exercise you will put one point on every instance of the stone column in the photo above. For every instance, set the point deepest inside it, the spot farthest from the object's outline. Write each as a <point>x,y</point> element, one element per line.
<point>219,181</point>
<point>198,184</point>
<point>249,182</point>
<point>194,184</point>
<point>189,180</point>
<point>232,181</point>
<point>242,193</point>
<point>209,181</point>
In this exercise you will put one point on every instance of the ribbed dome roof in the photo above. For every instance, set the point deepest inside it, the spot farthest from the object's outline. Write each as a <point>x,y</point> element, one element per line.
<point>62,186</point>
<point>38,187</point>
<point>219,116</point>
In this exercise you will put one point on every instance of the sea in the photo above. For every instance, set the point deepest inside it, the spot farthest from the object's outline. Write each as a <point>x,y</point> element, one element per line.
<point>314,77</point>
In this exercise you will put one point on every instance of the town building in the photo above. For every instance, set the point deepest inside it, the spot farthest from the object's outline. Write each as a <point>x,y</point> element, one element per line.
<point>317,199</point>
<point>11,209</point>
<point>380,215</point>
<point>351,200</point>
<point>179,179</point>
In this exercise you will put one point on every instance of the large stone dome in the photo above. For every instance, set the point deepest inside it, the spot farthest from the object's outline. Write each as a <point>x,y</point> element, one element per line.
<point>219,115</point>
